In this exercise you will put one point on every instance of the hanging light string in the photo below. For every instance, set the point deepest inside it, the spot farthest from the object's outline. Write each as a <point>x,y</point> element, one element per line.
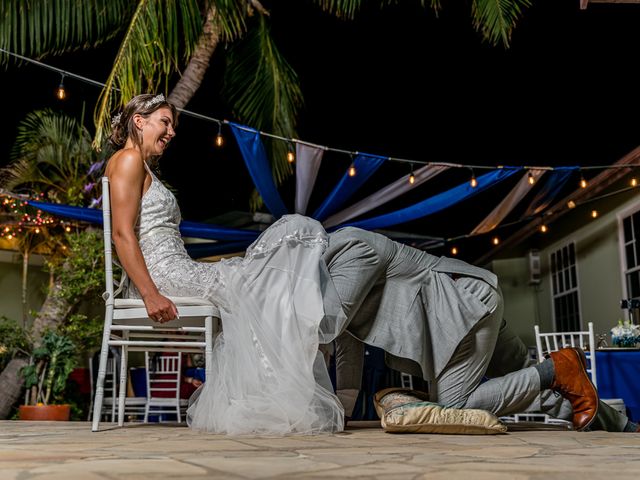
<point>219,122</point>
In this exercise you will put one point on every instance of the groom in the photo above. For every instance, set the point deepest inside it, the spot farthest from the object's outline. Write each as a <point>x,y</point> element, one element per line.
<point>441,319</point>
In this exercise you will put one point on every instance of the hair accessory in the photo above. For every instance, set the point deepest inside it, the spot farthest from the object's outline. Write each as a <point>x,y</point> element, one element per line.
<point>116,119</point>
<point>157,99</point>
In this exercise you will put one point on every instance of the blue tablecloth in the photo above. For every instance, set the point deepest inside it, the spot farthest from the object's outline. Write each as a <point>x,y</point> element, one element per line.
<point>618,376</point>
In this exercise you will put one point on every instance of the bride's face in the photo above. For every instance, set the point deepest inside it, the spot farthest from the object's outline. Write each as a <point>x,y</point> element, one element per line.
<point>157,131</point>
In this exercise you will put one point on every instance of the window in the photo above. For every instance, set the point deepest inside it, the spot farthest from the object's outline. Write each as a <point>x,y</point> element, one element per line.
<point>631,266</point>
<point>564,284</point>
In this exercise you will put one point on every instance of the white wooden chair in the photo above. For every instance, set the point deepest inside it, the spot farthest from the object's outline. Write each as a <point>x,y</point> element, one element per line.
<point>126,325</point>
<point>554,341</point>
<point>164,377</point>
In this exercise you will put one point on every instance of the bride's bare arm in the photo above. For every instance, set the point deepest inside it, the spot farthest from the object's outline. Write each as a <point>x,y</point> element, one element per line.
<point>126,176</point>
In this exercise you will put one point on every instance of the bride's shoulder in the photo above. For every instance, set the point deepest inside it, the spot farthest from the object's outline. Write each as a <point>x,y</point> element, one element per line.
<point>127,160</point>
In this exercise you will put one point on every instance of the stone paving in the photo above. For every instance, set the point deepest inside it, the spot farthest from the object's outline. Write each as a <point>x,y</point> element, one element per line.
<point>68,450</point>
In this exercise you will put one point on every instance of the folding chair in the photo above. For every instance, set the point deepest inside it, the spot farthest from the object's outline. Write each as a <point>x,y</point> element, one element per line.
<point>127,325</point>
<point>164,377</point>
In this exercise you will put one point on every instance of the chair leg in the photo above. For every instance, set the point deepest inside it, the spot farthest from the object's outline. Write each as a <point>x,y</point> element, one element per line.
<point>208,348</point>
<point>123,385</point>
<point>102,370</point>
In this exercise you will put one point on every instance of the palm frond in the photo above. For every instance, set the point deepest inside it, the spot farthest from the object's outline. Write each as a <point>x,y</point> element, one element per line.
<point>36,28</point>
<point>345,9</point>
<point>52,152</point>
<point>263,91</point>
<point>230,19</point>
<point>496,19</point>
<point>150,52</point>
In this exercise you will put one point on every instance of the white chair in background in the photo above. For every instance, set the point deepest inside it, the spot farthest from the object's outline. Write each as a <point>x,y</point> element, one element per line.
<point>127,326</point>
<point>163,386</point>
<point>554,341</point>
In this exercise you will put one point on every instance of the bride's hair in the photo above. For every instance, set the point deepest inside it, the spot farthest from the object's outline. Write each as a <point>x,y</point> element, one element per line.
<point>122,125</point>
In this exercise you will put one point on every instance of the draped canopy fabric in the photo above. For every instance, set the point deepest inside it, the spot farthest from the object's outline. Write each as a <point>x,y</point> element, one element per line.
<point>365,166</point>
<point>255,158</point>
<point>385,195</point>
<point>437,202</point>
<point>509,202</point>
<point>308,159</point>
<point>557,179</point>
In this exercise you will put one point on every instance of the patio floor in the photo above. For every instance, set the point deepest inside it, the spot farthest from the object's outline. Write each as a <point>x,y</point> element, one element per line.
<point>68,450</point>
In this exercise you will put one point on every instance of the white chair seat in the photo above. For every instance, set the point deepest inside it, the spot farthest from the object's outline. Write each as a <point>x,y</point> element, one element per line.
<point>138,303</point>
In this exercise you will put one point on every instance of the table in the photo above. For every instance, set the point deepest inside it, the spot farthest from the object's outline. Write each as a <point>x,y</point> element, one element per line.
<point>618,376</point>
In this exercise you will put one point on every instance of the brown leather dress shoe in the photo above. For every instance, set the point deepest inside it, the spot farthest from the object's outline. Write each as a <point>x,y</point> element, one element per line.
<point>573,383</point>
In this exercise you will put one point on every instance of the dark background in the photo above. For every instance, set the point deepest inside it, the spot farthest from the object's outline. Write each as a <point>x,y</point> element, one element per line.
<point>400,82</point>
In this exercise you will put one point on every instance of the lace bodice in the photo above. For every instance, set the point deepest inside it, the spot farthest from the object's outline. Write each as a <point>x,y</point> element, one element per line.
<point>158,209</point>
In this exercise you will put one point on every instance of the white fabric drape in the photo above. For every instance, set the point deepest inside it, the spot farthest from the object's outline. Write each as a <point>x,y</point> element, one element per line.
<point>510,201</point>
<point>385,194</point>
<point>308,161</point>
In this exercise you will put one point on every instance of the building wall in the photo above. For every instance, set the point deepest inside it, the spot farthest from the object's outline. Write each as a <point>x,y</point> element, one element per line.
<point>598,269</point>
<point>11,284</point>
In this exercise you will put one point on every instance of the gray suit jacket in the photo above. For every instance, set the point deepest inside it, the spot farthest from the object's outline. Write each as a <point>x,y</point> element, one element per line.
<point>402,299</point>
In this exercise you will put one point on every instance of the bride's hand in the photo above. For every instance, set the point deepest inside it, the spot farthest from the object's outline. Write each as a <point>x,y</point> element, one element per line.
<point>160,308</point>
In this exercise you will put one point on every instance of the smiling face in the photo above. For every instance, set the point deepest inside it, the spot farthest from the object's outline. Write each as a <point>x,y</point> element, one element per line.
<point>156,131</point>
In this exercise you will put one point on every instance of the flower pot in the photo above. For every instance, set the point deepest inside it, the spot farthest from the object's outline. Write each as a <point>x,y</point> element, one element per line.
<point>58,413</point>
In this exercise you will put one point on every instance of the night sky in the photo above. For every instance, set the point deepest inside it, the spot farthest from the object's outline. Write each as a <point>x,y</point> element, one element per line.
<point>400,82</point>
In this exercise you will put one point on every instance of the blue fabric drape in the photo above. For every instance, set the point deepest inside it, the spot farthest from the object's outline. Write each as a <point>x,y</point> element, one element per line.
<point>255,158</point>
<point>365,166</point>
<point>188,229</point>
<point>556,180</point>
<point>436,203</point>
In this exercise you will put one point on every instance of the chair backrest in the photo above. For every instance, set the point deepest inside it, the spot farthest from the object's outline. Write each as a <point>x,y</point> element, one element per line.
<point>554,341</point>
<point>163,375</point>
<point>108,252</point>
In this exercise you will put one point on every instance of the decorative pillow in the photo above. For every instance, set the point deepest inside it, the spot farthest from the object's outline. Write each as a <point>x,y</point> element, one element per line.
<point>402,410</point>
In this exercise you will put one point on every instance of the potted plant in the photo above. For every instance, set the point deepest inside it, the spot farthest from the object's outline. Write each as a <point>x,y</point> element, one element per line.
<point>46,378</point>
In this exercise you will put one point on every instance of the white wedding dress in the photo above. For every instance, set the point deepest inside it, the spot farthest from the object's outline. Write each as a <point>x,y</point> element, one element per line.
<point>268,376</point>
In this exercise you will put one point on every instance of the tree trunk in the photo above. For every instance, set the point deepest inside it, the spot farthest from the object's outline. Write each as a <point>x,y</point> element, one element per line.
<point>11,385</point>
<point>53,312</point>
<point>25,273</point>
<point>198,64</point>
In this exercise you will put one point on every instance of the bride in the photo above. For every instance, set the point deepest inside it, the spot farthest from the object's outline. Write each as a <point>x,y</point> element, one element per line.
<point>268,377</point>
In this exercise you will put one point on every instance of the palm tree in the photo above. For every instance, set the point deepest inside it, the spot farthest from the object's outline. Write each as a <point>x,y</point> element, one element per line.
<point>162,38</point>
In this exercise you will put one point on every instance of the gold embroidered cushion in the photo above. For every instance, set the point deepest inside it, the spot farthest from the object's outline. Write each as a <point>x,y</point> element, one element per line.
<point>402,410</point>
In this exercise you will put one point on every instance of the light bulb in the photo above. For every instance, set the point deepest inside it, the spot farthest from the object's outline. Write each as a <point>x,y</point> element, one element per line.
<point>9,236</point>
<point>531,179</point>
<point>219,140</point>
<point>290,156</point>
<point>352,170</point>
<point>60,92</point>
<point>473,182</point>
<point>454,251</point>
<point>67,229</point>
<point>543,228</point>
<point>495,240</point>
<point>412,179</point>
<point>583,183</point>
<point>37,230</point>
<point>571,204</point>
<point>594,213</point>
<point>634,182</point>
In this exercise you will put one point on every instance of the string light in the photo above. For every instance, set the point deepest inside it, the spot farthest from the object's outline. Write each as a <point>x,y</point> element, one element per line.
<point>219,137</point>
<point>571,204</point>
<point>495,240</point>
<point>60,92</point>
<point>594,214</point>
<point>530,178</point>
<point>412,178</point>
<point>583,182</point>
<point>634,182</point>
<point>543,228</point>
<point>67,229</point>
<point>454,251</point>
<point>473,182</point>
<point>291,156</point>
